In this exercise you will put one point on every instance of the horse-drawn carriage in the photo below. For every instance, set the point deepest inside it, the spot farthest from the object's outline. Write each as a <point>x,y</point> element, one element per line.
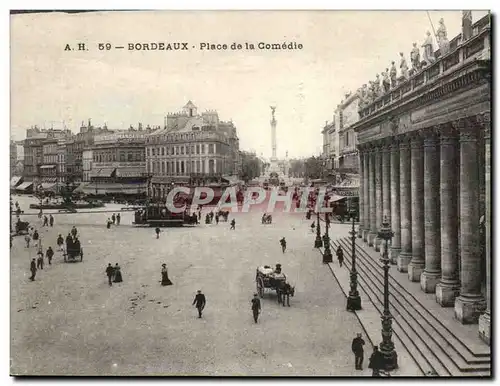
<point>267,219</point>
<point>223,215</point>
<point>273,279</point>
<point>22,227</point>
<point>73,251</point>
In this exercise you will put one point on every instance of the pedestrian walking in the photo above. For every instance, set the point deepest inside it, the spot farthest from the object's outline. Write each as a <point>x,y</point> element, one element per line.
<point>74,231</point>
<point>233,224</point>
<point>357,349</point>
<point>109,272</point>
<point>199,301</point>
<point>108,223</point>
<point>256,307</point>
<point>49,253</point>
<point>164,275</point>
<point>60,242</point>
<point>118,219</point>
<point>113,218</point>
<point>45,221</point>
<point>340,255</point>
<point>117,274</point>
<point>313,225</point>
<point>283,244</point>
<point>39,260</point>
<point>51,220</point>
<point>157,230</point>
<point>27,238</point>
<point>217,219</point>
<point>40,214</point>
<point>33,269</point>
<point>36,237</point>
<point>376,362</point>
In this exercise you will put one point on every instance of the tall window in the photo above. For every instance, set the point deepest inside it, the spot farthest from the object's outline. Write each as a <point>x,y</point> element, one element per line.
<point>153,151</point>
<point>130,157</point>
<point>163,168</point>
<point>168,167</point>
<point>162,151</point>
<point>182,149</point>
<point>211,148</point>
<point>197,149</point>
<point>182,167</point>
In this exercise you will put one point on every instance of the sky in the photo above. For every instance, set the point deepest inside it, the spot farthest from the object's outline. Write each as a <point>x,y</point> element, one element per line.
<point>342,50</point>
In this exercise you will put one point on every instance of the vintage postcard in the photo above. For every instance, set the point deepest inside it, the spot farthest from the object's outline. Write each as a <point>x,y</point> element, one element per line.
<point>250,193</point>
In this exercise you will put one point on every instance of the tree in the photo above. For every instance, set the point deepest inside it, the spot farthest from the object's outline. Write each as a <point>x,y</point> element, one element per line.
<point>297,168</point>
<point>251,166</point>
<point>313,168</point>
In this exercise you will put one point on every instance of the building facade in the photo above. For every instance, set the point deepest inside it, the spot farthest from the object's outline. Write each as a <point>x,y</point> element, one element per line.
<point>425,167</point>
<point>330,145</point>
<point>118,165</point>
<point>87,163</point>
<point>191,148</point>
<point>348,116</point>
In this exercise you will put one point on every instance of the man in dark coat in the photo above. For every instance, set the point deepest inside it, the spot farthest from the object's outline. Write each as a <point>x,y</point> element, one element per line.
<point>36,236</point>
<point>157,230</point>
<point>60,241</point>
<point>200,302</point>
<point>69,241</point>
<point>39,260</point>
<point>340,255</point>
<point>233,224</point>
<point>109,272</point>
<point>49,253</point>
<point>113,218</point>
<point>74,231</point>
<point>45,221</point>
<point>51,220</point>
<point>256,307</point>
<point>33,269</point>
<point>118,219</point>
<point>357,349</point>
<point>283,244</point>
<point>376,362</point>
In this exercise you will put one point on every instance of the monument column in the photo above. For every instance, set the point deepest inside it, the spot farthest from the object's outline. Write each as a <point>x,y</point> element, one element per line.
<point>432,226</point>
<point>470,303</point>
<point>366,193</point>
<point>485,319</point>
<point>448,287</point>
<point>373,220</point>
<point>395,202</point>
<point>378,192</point>
<point>417,262</point>
<point>361,190</point>
<point>405,203</point>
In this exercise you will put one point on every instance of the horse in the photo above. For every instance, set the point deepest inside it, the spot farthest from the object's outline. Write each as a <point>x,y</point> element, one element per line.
<point>285,290</point>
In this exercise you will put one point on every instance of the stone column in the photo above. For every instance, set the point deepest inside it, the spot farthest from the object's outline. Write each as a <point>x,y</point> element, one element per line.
<point>395,203</point>
<point>405,204</point>
<point>378,193</point>
<point>470,303</point>
<point>373,221</point>
<point>366,194</point>
<point>417,262</point>
<point>448,287</point>
<point>432,225</point>
<point>386,182</point>
<point>485,319</point>
<point>361,197</point>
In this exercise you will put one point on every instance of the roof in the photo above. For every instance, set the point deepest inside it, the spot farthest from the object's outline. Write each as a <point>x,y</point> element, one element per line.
<point>190,105</point>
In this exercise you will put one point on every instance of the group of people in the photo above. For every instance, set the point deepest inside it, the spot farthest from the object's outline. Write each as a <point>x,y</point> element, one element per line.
<point>115,220</point>
<point>376,361</point>
<point>114,274</point>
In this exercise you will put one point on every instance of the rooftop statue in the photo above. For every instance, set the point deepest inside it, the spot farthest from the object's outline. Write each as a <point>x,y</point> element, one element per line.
<point>376,88</point>
<point>415,57</point>
<point>394,74</point>
<point>386,82</point>
<point>428,50</point>
<point>403,66</point>
<point>442,37</point>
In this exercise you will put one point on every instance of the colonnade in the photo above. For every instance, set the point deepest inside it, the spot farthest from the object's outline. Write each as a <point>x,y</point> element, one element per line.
<point>426,184</point>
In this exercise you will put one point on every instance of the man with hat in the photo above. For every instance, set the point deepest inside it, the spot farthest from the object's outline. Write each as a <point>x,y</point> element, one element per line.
<point>256,307</point>
<point>200,302</point>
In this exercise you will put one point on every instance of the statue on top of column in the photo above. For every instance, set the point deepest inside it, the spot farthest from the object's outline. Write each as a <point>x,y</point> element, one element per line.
<point>442,38</point>
<point>273,109</point>
<point>403,66</point>
<point>386,81</point>
<point>415,57</point>
<point>376,88</point>
<point>428,50</point>
<point>394,74</point>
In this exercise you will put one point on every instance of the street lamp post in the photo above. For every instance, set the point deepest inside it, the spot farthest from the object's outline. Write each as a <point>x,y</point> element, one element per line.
<point>327,255</point>
<point>353,300</point>
<point>387,346</point>
<point>318,243</point>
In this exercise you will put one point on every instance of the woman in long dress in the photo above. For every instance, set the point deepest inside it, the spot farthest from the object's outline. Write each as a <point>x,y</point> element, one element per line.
<point>117,274</point>
<point>164,275</point>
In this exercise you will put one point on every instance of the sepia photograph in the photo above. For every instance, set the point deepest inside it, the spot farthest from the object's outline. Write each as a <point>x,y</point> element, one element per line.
<point>250,193</point>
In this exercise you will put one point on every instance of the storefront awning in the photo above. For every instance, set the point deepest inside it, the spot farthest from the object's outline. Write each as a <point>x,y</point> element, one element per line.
<point>25,186</point>
<point>99,189</point>
<point>334,198</point>
<point>80,188</point>
<point>102,172</point>
<point>130,172</point>
<point>47,166</point>
<point>15,180</point>
<point>49,186</point>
